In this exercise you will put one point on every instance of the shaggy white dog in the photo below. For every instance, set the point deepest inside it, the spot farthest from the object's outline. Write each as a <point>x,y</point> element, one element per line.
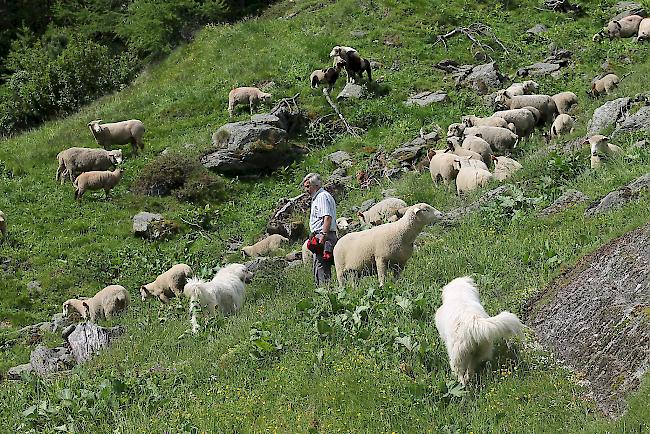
<point>467,330</point>
<point>226,290</point>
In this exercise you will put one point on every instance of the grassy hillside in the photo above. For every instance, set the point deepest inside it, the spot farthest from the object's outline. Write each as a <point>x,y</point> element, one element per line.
<point>268,368</point>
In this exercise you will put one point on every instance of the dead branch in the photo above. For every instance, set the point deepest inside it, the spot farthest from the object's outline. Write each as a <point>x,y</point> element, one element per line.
<point>354,131</point>
<point>473,32</point>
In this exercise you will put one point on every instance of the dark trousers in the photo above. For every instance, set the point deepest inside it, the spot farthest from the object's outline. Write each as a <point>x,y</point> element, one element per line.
<point>322,268</point>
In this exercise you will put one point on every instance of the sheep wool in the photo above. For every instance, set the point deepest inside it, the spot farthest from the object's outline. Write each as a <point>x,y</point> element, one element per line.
<point>543,103</point>
<point>492,121</point>
<point>382,211</point>
<point>604,85</point>
<point>265,246</point>
<point>644,30</point>
<point>169,284</point>
<point>118,133</point>
<point>565,101</point>
<point>501,140</point>
<point>74,161</point>
<point>97,180</point>
<point>441,167</point>
<point>505,167</point>
<point>470,178</point>
<point>523,119</point>
<point>106,303</point>
<point>480,146</point>
<point>563,124</point>
<point>626,27</point>
<point>246,95</point>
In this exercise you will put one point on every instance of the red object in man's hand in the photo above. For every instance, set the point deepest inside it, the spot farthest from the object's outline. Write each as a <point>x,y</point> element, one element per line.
<point>314,245</point>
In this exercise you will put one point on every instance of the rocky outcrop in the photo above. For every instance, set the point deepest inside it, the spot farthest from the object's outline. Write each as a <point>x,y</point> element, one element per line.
<point>620,197</point>
<point>607,115</point>
<point>567,200</point>
<point>639,121</point>
<point>153,226</point>
<point>426,98</point>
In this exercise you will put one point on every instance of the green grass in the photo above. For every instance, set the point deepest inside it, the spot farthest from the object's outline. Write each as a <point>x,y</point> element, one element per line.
<point>158,378</point>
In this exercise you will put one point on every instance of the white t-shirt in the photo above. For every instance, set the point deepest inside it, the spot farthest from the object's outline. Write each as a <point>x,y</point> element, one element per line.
<point>322,204</point>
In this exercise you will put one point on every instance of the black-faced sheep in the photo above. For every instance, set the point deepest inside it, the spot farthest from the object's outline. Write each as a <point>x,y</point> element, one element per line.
<point>377,249</point>
<point>626,27</point>
<point>355,65</point>
<point>454,147</point>
<point>265,246</point>
<point>168,285</point>
<point>246,95</point>
<point>543,103</point>
<point>381,211</point>
<point>97,180</point>
<point>106,303</point>
<point>604,85</point>
<point>118,133</point>
<point>327,76</point>
<point>644,30</point>
<point>74,161</point>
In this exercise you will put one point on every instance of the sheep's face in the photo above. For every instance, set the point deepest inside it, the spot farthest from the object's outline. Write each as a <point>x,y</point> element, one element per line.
<point>336,51</point>
<point>265,97</point>
<point>530,87</point>
<point>455,130</point>
<point>69,311</point>
<point>501,99</point>
<point>598,144</point>
<point>115,156</point>
<point>94,126</point>
<point>144,292</point>
<point>426,213</point>
<point>342,224</point>
<point>613,29</point>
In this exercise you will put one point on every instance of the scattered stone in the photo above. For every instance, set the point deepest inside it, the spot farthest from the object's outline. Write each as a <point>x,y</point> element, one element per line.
<point>358,33</point>
<point>567,200</point>
<point>235,246</point>
<point>266,118</point>
<point>620,197</point>
<point>34,285</point>
<point>395,66</point>
<point>366,205</point>
<point>562,6</point>
<point>449,66</point>
<point>294,230</point>
<point>537,69</point>
<point>595,318</point>
<point>480,77</point>
<point>296,255</point>
<point>607,115</point>
<point>423,99</point>
<point>88,339</point>
<point>641,144</point>
<point>16,373</point>
<point>340,176</point>
<point>152,226</point>
<point>374,65</point>
<point>351,90</point>
<point>266,264</point>
<point>189,146</point>
<point>639,121</point>
<point>626,8</point>
<point>45,361</point>
<point>340,158</point>
<point>537,29</point>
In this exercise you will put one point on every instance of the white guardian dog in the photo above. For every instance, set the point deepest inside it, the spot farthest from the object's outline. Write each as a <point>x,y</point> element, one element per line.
<point>467,330</point>
<point>226,290</point>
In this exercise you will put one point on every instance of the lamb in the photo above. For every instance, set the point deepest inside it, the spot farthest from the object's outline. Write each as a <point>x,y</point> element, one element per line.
<point>3,224</point>
<point>501,140</point>
<point>385,246</point>
<point>106,303</point>
<point>480,146</point>
<point>441,167</point>
<point>74,161</point>
<point>563,124</point>
<point>604,85</point>
<point>565,101</point>
<point>543,103</point>
<point>264,246</point>
<point>600,149</point>
<point>97,180</point>
<point>169,284</point>
<point>644,30</point>
<point>492,121</point>
<point>455,148</point>
<point>626,27</point>
<point>528,87</point>
<point>505,167</point>
<point>470,178</point>
<point>381,211</point>
<point>327,76</point>
<point>523,119</point>
<point>246,95</point>
<point>354,63</point>
<point>118,133</point>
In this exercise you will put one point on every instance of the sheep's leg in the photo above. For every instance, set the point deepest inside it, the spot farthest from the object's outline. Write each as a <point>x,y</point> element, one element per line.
<point>381,270</point>
<point>162,297</point>
<point>397,270</point>
<point>250,105</point>
<point>108,193</point>
<point>60,173</point>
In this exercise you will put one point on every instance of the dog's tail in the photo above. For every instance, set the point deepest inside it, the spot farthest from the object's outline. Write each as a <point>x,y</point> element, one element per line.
<point>500,326</point>
<point>191,291</point>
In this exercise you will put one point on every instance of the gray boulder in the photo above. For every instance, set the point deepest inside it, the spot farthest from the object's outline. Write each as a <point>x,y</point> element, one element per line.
<point>340,158</point>
<point>537,29</point>
<point>538,69</point>
<point>88,339</point>
<point>351,90</point>
<point>426,98</point>
<point>480,77</point>
<point>44,360</point>
<point>152,226</point>
<point>608,115</point>
<point>16,373</point>
<point>639,121</point>
<point>620,197</point>
<point>625,8</point>
<point>568,199</point>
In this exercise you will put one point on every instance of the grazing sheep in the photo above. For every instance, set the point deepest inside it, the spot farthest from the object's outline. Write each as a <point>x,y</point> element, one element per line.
<point>480,146</point>
<point>624,28</point>
<point>118,133</point>
<point>456,130</point>
<point>355,65</point>
<point>523,119</point>
<point>492,121</point>
<point>74,161</point>
<point>644,30</point>
<point>264,246</point>
<point>564,101</point>
<point>543,103</point>
<point>381,211</point>
<point>536,113</point>
<point>604,85</point>
<point>528,87</point>
<point>385,246</point>
<point>454,147</point>
<point>505,167</point>
<point>3,224</point>
<point>327,76</point>
<point>168,285</point>
<point>501,140</point>
<point>246,95</point>
<point>563,124</point>
<point>106,303</point>
<point>442,167</point>
<point>470,178</point>
<point>600,149</point>
<point>97,180</point>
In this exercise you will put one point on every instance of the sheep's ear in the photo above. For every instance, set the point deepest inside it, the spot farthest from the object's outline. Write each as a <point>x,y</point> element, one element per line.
<point>493,158</point>
<point>618,24</point>
<point>479,135</point>
<point>605,138</point>
<point>86,307</point>
<point>361,216</point>
<point>507,94</point>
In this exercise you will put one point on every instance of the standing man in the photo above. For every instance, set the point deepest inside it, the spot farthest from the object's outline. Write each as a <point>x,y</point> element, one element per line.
<point>322,226</point>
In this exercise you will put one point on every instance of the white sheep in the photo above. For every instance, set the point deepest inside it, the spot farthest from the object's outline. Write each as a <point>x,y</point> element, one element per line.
<point>97,180</point>
<point>601,149</point>
<point>74,161</point>
<point>480,146</point>
<point>106,303</point>
<point>355,65</point>
<point>168,285</point>
<point>492,121</point>
<point>528,87</point>
<point>454,147</point>
<point>644,30</point>
<point>565,101</point>
<point>505,167</point>
<point>563,124</point>
<point>118,133</point>
<point>604,85</point>
<point>327,76</point>
<point>536,113</point>
<point>3,224</point>
<point>626,27</point>
<point>441,167</point>
<point>264,246</point>
<point>470,178</point>
<point>377,249</point>
<point>246,95</point>
<point>381,211</point>
<point>523,119</point>
<point>501,140</point>
<point>543,103</point>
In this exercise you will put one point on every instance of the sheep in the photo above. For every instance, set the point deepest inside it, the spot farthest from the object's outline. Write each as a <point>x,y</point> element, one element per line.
<point>626,27</point>
<point>523,119</point>
<point>563,124</point>
<point>307,255</point>
<point>455,148</point>
<point>564,101</point>
<point>528,87</point>
<point>169,284</point>
<point>97,180</point>
<point>3,224</point>
<point>382,210</point>
<point>74,161</point>
<point>600,149</point>
<point>354,63</point>
<point>264,246</point>
<point>604,85</point>
<point>106,303</point>
<point>492,121</point>
<point>500,139</point>
<point>327,76</point>
<point>456,130</point>
<point>536,113</point>
<point>246,95</point>
<point>480,146</point>
<point>644,30</point>
<point>441,167</point>
<point>385,246</point>
<point>118,133</point>
<point>470,178</point>
<point>505,167</point>
<point>543,103</point>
